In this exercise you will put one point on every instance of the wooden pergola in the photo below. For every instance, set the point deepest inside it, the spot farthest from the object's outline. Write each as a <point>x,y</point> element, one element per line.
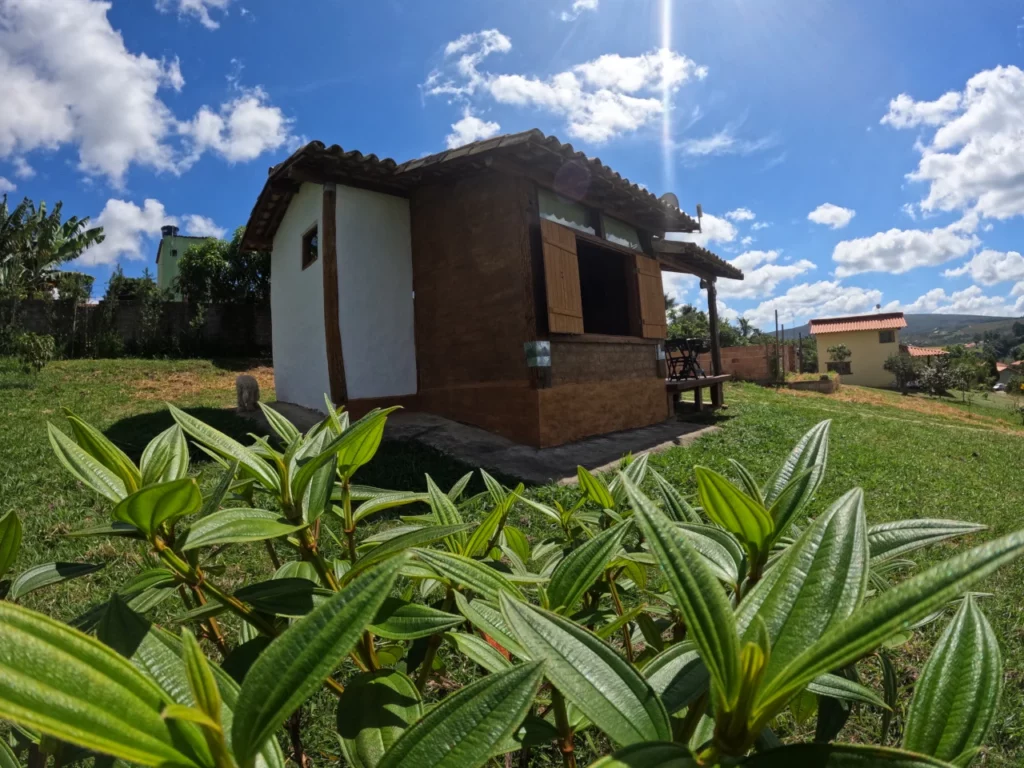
<point>690,258</point>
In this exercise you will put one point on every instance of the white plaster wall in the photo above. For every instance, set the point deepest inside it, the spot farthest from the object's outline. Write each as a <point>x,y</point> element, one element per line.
<point>297,307</point>
<point>375,293</point>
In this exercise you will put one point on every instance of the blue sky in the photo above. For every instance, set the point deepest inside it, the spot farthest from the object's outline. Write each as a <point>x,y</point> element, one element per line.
<point>846,154</point>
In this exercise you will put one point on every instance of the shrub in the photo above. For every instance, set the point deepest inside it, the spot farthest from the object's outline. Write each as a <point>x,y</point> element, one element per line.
<point>936,379</point>
<point>34,351</point>
<point>680,634</point>
<point>904,368</point>
<point>839,353</point>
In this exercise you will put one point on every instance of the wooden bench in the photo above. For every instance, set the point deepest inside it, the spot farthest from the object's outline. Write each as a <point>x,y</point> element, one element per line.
<point>674,389</point>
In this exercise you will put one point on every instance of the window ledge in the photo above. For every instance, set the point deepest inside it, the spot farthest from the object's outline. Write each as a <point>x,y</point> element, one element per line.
<point>601,338</point>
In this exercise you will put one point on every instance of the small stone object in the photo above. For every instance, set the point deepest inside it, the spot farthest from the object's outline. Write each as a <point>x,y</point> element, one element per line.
<point>248,390</point>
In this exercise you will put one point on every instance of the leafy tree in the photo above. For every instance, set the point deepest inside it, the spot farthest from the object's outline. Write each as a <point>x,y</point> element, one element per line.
<point>839,353</point>
<point>52,242</point>
<point>904,368</point>
<point>219,271</point>
<point>937,379</point>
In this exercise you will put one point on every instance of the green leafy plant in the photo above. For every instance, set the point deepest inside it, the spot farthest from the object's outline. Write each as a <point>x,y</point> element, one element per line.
<point>648,628</point>
<point>34,351</point>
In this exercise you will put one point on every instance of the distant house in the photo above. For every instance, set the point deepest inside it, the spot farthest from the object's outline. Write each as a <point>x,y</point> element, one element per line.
<point>172,247</point>
<point>871,339</point>
<point>1007,371</point>
<point>513,284</point>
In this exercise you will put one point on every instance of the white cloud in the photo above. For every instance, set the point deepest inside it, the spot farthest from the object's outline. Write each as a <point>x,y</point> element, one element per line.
<point>469,129</point>
<point>761,274</point>
<point>975,159</point>
<point>126,228</point>
<point>830,215</point>
<point>22,169</point>
<point>198,8</point>
<point>1018,289</point>
<point>904,112</point>
<point>202,226</point>
<point>741,214</point>
<point>713,230</point>
<point>6,186</point>
<point>990,267</point>
<point>826,298</point>
<point>724,142</point>
<point>900,250</point>
<point>66,77</point>
<point>578,7</point>
<point>747,241</point>
<point>910,210</point>
<point>970,301</point>
<point>241,129</point>
<point>599,99</point>
<point>758,225</point>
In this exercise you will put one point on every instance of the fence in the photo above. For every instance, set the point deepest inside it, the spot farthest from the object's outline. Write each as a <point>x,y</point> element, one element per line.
<point>752,362</point>
<point>228,329</point>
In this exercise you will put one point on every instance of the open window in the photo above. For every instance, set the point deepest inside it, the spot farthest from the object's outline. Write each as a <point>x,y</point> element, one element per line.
<point>596,287</point>
<point>310,246</point>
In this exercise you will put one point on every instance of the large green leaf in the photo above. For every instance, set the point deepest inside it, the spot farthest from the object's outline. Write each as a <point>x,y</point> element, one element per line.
<point>10,541</point>
<point>287,431</point>
<point>414,538</point>
<point>227,448</point>
<point>838,687</point>
<point>677,675</point>
<point>590,674</point>
<point>67,685</point>
<point>283,595</point>
<point>236,526</point>
<point>158,504</point>
<point>375,710</point>
<point>479,651</point>
<point>387,500</point>
<point>464,730</point>
<point>165,457</point>
<point>488,619</point>
<point>698,595</point>
<point>810,453</point>
<point>654,754</point>
<point>957,695</point>
<point>97,445</point>
<point>584,565</point>
<point>361,440</point>
<point>476,545</point>
<point>839,756</point>
<point>723,554</point>
<point>402,620</point>
<point>446,513</point>
<point>595,489</point>
<point>84,467</point>
<point>819,582</point>
<point>880,618</point>
<point>468,573</point>
<point>891,540</point>
<point>7,757</point>
<point>675,506</point>
<point>295,664</point>
<point>45,574</point>
<point>734,510</point>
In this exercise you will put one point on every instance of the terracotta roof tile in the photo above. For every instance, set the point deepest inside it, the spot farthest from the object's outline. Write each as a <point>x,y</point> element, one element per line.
<point>884,322</point>
<point>914,351</point>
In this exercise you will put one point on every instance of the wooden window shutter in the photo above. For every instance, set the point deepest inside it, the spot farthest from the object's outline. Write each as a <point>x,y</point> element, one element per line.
<point>652,298</point>
<point>562,278</point>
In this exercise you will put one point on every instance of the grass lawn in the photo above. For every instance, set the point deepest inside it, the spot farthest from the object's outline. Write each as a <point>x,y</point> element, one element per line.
<point>914,457</point>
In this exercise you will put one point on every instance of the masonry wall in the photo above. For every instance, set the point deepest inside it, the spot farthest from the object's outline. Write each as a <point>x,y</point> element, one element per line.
<point>751,362</point>
<point>867,358</point>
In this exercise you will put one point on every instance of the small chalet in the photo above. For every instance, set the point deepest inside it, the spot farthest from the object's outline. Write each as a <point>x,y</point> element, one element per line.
<point>871,339</point>
<point>513,284</point>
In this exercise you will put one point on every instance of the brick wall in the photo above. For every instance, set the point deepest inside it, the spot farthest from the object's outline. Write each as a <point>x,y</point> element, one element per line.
<point>750,363</point>
<point>584,360</point>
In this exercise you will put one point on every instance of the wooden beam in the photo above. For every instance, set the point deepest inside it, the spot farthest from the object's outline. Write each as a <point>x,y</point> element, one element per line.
<point>716,348</point>
<point>332,321</point>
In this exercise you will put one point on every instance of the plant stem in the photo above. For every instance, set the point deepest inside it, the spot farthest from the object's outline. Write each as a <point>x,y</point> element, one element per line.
<point>565,734</point>
<point>432,645</point>
<point>273,554</point>
<point>295,733</point>
<point>311,554</point>
<point>214,628</point>
<point>627,641</point>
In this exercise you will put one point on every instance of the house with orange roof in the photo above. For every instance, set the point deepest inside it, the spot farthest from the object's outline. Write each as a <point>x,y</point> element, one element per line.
<point>871,340</point>
<point>1007,371</point>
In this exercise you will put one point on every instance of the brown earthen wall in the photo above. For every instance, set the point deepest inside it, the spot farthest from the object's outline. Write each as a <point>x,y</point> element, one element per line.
<point>750,363</point>
<point>581,361</point>
<point>574,411</point>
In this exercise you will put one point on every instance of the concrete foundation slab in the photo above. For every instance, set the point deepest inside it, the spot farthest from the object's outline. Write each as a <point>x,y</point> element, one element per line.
<point>535,466</point>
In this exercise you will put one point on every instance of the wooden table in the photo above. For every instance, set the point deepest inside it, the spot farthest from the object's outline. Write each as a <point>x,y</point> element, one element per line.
<point>674,388</point>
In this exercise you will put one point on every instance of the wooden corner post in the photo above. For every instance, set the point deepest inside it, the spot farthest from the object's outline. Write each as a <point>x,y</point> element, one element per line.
<point>332,320</point>
<point>716,347</point>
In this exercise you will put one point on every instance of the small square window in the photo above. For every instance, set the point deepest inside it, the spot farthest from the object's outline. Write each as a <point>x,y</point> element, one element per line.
<point>886,337</point>
<point>843,368</point>
<point>310,246</point>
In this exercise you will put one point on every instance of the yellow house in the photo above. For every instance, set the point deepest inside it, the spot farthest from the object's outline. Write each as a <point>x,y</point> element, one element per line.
<point>871,339</point>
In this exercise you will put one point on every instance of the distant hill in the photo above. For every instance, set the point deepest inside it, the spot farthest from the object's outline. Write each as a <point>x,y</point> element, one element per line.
<point>937,330</point>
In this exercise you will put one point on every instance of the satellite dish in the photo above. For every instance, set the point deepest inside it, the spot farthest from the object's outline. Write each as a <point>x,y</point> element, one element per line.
<point>669,198</point>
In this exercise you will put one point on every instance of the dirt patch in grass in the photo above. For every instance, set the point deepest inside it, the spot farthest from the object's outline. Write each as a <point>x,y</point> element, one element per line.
<point>178,384</point>
<point>865,396</point>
